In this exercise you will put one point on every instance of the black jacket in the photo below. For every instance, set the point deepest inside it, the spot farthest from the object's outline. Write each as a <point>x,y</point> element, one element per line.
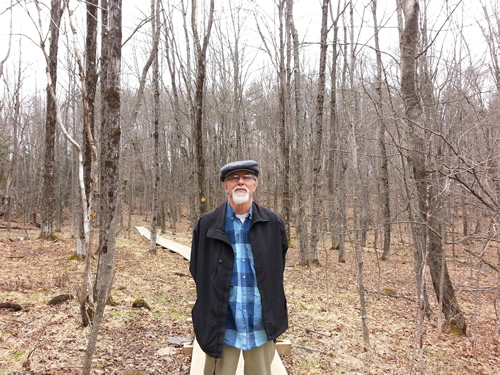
<point>211,266</point>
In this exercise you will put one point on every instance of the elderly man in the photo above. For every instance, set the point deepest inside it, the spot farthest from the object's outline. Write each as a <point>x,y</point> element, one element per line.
<point>237,262</point>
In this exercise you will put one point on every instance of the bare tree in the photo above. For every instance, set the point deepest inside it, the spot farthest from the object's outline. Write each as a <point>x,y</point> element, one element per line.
<point>7,53</point>
<point>311,256</point>
<point>200,56</point>
<point>284,97</point>
<point>88,98</point>
<point>48,192</point>
<point>155,26</point>
<point>299,124</point>
<point>109,171</point>
<point>426,228</point>
<point>7,199</point>
<point>337,163</point>
<point>384,201</point>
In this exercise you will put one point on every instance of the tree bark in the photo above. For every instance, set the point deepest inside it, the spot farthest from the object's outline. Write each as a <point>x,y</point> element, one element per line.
<point>47,208</point>
<point>88,144</point>
<point>155,16</point>
<point>110,155</point>
<point>426,227</point>
<point>201,55</point>
<point>311,256</point>
<point>384,190</point>
<point>7,199</point>
<point>299,123</point>
<point>284,97</point>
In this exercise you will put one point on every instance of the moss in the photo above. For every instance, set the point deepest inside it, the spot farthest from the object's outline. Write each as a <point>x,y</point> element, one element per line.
<point>456,329</point>
<point>389,291</point>
<point>60,299</point>
<point>139,303</point>
<point>17,355</point>
<point>75,257</point>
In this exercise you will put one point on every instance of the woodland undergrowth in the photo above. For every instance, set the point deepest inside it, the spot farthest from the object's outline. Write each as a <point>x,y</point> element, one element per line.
<point>325,324</point>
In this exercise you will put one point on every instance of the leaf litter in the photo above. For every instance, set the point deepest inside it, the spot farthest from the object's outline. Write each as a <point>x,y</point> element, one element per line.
<point>324,314</point>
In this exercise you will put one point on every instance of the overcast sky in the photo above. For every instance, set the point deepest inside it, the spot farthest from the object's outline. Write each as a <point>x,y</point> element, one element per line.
<point>307,17</point>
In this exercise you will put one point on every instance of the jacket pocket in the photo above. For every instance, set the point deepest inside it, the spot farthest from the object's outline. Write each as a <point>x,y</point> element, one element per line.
<point>218,265</point>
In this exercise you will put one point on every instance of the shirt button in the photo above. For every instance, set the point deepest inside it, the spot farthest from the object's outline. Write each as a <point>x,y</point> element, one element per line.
<point>243,260</point>
<point>244,277</point>
<point>245,310</point>
<point>244,294</point>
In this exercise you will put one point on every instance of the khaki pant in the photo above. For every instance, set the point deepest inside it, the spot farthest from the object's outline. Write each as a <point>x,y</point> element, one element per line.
<point>257,361</point>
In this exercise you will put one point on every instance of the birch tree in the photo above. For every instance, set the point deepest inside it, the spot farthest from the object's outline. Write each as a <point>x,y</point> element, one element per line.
<point>155,28</point>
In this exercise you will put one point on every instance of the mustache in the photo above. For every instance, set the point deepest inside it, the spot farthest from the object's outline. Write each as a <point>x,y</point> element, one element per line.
<point>241,187</point>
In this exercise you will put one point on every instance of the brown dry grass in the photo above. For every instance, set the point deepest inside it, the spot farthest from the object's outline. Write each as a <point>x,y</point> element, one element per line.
<point>325,324</point>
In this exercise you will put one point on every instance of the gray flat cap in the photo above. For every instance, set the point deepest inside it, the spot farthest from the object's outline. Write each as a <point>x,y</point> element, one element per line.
<point>235,166</point>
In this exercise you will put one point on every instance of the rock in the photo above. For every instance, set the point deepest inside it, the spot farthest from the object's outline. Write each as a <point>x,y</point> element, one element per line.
<point>10,305</point>
<point>60,299</point>
<point>139,303</point>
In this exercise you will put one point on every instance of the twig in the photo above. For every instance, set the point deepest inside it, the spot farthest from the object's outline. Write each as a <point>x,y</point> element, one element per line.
<point>390,295</point>
<point>308,348</point>
<point>481,259</point>
<point>312,330</point>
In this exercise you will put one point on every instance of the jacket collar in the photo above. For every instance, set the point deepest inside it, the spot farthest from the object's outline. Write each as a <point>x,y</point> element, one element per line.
<point>216,226</point>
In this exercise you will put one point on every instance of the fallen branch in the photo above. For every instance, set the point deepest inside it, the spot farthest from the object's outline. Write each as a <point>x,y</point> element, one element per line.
<point>390,295</point>
<point>312,330</point>
<point>481,259</point>
<point>308,348</point>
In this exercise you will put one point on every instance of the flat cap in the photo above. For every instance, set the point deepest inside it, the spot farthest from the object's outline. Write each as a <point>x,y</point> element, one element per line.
<point>235,166</point>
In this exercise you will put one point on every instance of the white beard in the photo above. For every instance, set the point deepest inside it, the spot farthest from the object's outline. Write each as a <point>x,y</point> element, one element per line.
<point>239,197</point>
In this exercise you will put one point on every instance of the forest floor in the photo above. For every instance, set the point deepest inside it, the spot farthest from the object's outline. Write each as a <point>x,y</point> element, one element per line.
<point>325,323</point>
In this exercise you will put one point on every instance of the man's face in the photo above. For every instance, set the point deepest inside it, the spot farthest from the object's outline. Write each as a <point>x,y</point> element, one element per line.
<point>240,186</point>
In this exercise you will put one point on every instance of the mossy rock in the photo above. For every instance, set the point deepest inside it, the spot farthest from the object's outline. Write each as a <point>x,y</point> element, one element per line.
<point>140,303</point>
<point>60,299</point>
<point>11,306</point>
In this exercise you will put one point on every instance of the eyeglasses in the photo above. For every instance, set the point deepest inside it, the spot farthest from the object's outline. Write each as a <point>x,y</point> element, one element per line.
<point>236,178</point>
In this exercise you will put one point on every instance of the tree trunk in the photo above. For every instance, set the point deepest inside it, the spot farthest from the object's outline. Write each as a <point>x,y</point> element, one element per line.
<point>299,121</point>
<point>155,16</point>
<point>110,155</point>
<point>88,146</point>
<point>311,256</point>
<point>334,141</point>
<point>284,96</point>
<point>6,208</point>
<point>384,201</point>
<point>425,228</point>
<point>47,208</point>
<point>201,55</point>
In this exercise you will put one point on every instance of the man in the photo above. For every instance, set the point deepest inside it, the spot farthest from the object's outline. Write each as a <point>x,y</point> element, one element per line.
<point>237,262</point>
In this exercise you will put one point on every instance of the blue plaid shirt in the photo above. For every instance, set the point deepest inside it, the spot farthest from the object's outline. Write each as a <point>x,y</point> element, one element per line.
<point>245,325</point>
